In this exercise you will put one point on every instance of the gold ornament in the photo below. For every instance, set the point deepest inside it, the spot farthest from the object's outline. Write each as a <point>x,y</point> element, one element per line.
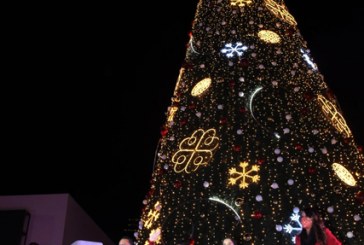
<point>344,174</point>
<point>243,176</point>
<point>152,215</point>
<point>195,151</point>
<point>336,118</point>
<point>280,11</point>
<point>201,87</point>
<point>269,36</point>
<point>240,3</point>
<point>172,111</point>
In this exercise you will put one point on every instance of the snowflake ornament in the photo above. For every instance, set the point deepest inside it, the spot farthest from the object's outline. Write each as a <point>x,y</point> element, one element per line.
<point>244,176</point>
<point>231,49</point>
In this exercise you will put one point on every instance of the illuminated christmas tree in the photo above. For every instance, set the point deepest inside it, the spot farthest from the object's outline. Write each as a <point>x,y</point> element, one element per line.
<point>253,135</point>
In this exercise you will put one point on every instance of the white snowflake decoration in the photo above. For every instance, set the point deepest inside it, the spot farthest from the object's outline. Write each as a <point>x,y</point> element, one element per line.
<point>231,49</point>
<point>294,227</point>
<point>308,60</point>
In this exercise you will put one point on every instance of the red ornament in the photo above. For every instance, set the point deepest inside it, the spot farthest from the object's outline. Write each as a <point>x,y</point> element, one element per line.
<point>298,147</point>
<point>237,148</point>
<point>177,184</point>
<point>311,170</point>
<point>360,149</point>
<point>192,242</point>
<point>260,161</point>
<point>164,131</point>
<point>232,84</point>
<point>183,122</point>
<point>192,106</point>
<point>359,197</point>
<point>223,120</point>
<point>290,31</point>
<point>242,109</point>
<point>257,215</point>
<point>244,63</point>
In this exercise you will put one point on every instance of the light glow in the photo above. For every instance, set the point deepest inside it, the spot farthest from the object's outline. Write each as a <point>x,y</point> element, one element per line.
<point>230,50</point>
<point>201,87</point>
<point>269,36</point>
<point>280,11</point>
<point>240,3</point>
<point>195,151</point>
<point>216,199</point>
<point>344,174</point>
<point>337,120</point>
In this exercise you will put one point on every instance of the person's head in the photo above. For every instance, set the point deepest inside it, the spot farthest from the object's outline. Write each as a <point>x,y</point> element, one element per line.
<point>313,225</point>
<point>228,241</point>
<point>309,218</point>
<point>125,240</point>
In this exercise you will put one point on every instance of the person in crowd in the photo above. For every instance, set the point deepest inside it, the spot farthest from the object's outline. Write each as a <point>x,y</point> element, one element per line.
<point>228,241</point>
<point>125,240</point>
<point>314,231</point>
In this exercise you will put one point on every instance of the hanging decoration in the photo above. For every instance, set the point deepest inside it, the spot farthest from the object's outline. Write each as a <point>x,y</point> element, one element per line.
<point>280,11</point>
<point>231,49</point>
<point>240,3</point>
<point>152,216</point>
<point>195,151</point>
<point>337,120</point>
<point>344,174</point>
<point>201,87</point>
<point>269,36</point>
<point>244,176</point>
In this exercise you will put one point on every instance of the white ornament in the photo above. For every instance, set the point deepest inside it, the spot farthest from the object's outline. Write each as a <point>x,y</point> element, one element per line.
<point>165,166</point>
<point>350,234</point>
<point>280,159</point>
<point>241,94</point>
<point>357,217</point>
<point>286,130</point>
<point>206,184</point>
<point>333,141</point>
<point>279,228</point>
<point>315,131</point>
<point>239,131</point>
<point>231,49</point>
<point>241,79</point>
<point>296,210</point>
<point>277,151</point>
<point>311,150</point>
<point>290,182</point>
<point>288,117</point>
<point>220,107</point>
<point>330,209</point>
<point>183,108</point>
<point>324,150</point>
<point>259,198</point>
<point>198,114</point>
<point>274,186</point>
<point>145,202</point>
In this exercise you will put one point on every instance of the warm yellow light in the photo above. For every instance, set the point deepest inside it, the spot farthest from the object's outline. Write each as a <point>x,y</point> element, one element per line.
<point>240,3</point>
<point>269,36</point>
<point>336,118</point>
<point>201,87</point>
<point>195,151</point>
<point>152,216</point>
<point>172,111</point>
<point>244,176</point>
<point>280,11</point>
<point>155,236</point>
<point>344,174</point>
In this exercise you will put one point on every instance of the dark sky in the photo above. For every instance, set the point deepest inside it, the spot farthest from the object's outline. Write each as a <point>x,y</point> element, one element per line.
<point>90,96</point>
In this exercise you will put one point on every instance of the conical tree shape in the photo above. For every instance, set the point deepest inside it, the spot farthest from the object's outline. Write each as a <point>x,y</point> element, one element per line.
<point>253,136</point>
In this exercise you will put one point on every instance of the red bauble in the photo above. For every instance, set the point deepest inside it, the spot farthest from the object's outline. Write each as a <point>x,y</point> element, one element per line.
<point>223,120</point>
<point>257,215</point>
<point>360,149</point>
<point>183,122</point>
<point>260,161</point>
<point>177,184</point>
<point>298,147</point>
<point>311,170</point>
<point>244,63</point>
<point>242,110</point>
<point>237,148</point>
<point>192,242</point>
<point>164,131</point>
<point>359,197</point>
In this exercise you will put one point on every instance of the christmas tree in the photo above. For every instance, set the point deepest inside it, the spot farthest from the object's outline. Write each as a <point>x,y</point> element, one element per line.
<point>253,135</point>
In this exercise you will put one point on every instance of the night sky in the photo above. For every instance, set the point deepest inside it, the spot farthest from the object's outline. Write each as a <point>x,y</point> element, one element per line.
<point>89,100</point>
